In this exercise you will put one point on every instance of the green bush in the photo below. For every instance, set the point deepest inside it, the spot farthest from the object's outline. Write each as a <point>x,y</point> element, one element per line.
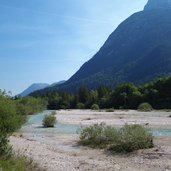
<point>95,107</point>
<point>97,135</point>
<point>125,139</point>
<point>131,138</point>
<point>9,122</point>
<point>80,106</point>
<point>30,105</point>
<point>145,107</point>
<point>5,148</point>
<point>110,110</point>
<point>49,121</point>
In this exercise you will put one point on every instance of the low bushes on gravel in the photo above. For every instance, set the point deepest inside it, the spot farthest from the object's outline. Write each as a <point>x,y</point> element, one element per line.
<point>110,110</point>
<point>126,139</point>
<point>49,121</point>
<point>95,107</point>
<point>145,107</point>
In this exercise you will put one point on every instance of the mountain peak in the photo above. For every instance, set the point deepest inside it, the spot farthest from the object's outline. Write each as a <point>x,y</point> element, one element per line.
<point>158,4</point>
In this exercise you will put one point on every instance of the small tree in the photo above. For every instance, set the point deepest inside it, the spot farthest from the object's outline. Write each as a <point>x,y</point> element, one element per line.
<point>49,121</point>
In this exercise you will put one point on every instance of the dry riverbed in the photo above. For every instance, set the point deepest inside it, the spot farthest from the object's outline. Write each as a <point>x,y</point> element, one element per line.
<point>60,152</point>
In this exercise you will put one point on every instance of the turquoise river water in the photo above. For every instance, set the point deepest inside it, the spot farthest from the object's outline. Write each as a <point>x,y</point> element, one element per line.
<point>34,125</point>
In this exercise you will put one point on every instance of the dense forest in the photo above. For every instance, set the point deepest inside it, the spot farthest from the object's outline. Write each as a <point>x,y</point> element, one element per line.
<point>125,96</point>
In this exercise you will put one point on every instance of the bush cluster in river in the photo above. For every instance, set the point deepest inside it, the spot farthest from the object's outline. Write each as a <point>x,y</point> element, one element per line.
<point>126,139</point>
<point>49,121</point>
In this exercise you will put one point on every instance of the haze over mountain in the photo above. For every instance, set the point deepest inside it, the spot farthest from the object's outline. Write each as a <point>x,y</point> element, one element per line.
<point>32,88</point>
<point>38,86</point>
<point>138,51</point>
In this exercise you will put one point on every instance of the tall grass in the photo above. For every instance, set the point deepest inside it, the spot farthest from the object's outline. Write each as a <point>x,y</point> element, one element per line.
<point>18,163</point>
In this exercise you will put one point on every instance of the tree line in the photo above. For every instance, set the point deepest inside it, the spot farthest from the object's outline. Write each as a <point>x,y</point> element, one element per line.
<point>125,96</point>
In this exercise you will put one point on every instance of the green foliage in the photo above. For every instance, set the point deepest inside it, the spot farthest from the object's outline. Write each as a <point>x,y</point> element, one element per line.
<point>126,139</point>
<point>30,105</point>
<point>49,121</point>
<point>145,107</point>
<point>83,94</point>
<point>125,96</point>
<point>10,120</point>
<point>95,107</point>
<point>98,136</point>
<point>5,148</point>
<point>15,163</point>
<point>131,138</point>
<point>80,106</point>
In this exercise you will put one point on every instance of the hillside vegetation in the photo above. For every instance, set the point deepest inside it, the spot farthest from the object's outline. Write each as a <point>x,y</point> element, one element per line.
<point>13,114</point>
<point>126,96</point>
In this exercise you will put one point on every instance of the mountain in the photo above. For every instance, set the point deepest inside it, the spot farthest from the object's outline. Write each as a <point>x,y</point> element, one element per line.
<point>32,88</point>
<point>57,83</point>
<point>38,87</point>
<point>138,51</point>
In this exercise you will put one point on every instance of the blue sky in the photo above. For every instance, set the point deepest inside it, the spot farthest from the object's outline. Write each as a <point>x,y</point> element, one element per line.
<point>45,41</point>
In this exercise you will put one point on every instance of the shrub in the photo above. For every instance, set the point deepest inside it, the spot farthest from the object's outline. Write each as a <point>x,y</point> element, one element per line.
<point>97,135</point>
<point>110,110</point>
<point>80,106</point>
<point>95,107</point>
<point>30,105</point>
<point>5,148</point>
<point>9,122</point>
<point>145,107</point>
<point>125,139</point>
<point>131,138</point>
<point>49,121</point>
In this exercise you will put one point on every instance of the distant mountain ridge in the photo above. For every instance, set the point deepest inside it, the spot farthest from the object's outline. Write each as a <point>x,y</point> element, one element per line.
<point>138,51</point>
<point>38,86</point>
<point>32,88</point>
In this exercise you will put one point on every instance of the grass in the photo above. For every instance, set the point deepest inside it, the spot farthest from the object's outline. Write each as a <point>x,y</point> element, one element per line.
<point>18,163</point>
<point>126,139</point>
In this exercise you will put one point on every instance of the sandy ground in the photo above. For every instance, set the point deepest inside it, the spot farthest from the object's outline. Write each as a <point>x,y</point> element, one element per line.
<point>58,152</point>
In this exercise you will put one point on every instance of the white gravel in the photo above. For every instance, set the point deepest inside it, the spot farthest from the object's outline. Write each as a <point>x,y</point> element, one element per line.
<point>55,152</point>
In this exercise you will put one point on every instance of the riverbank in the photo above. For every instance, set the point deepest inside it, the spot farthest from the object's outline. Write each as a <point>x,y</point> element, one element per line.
<point>118,118</point>
<point>60,152</point>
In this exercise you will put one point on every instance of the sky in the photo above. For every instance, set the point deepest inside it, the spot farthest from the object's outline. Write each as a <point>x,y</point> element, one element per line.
<point>46,41</point>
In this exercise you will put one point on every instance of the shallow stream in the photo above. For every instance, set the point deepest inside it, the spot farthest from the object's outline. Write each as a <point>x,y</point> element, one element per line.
<point>34,126</point>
